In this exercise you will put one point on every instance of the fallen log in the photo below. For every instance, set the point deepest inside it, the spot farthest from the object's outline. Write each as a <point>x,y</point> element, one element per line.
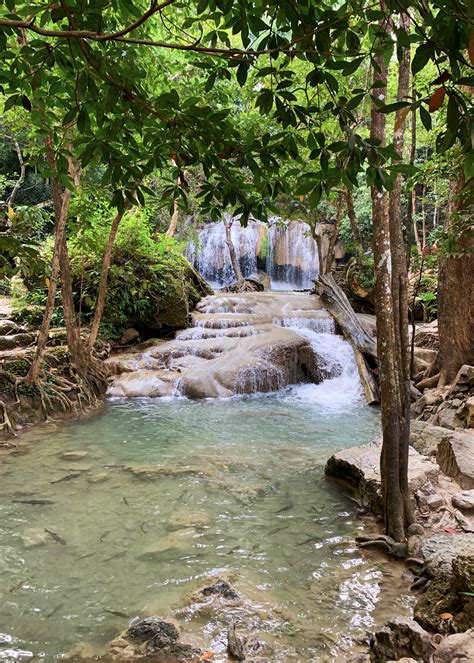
<point>362,343</point>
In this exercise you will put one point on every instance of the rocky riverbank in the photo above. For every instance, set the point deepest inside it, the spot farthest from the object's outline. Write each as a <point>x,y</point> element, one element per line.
<point>439,551</point>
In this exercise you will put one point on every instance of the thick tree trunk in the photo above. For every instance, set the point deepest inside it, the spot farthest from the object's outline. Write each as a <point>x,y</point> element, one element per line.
<point>353,220</point>
<point>456,291</point>
<point>388,354</point>
<point>334,235</point>
<point>230,245</point>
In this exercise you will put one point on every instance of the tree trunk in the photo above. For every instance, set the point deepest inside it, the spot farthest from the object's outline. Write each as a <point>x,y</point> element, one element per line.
<point>104,275</point>
<point>230,245</point>
<point>334,235</point>
<point>353,220</point>
<point>43,334</point>
<point>391,398</point>
<point>400,282</point>
<point>362,343</point>
<point>21,178</point>
<point>456,290</point>
<point>174,220</point>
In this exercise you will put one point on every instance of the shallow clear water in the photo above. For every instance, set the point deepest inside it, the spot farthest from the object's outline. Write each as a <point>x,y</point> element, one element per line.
<point>268,519</point>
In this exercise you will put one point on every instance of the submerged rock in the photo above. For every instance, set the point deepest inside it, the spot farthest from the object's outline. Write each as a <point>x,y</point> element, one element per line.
<point>154,639</point>
<point>34,537</point>
<point>74,455</point>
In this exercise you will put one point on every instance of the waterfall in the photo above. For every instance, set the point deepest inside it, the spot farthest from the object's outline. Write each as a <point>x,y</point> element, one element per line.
<point>284,251</point>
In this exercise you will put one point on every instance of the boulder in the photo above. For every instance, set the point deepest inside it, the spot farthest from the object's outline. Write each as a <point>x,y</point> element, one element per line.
<point>464,500</point>
<point>361,467</point>
<point>446,606</point>
<point>400,638</point>
<point>425,438</point>
<point>129,336</point>
<point>455,456</point>
<point>457,648</point>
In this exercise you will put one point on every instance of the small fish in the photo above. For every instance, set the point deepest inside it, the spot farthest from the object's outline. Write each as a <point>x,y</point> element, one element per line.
<point>56,537</point>
<point>54,610</point>
<point>126,501</point>
<point>122,553</point>
<point>279,529</point>
<point>33,502</point>
<point>68,477</point>
<point>312,539</point>
<point>117,613</point>
<point>104,535</point>
<point>18,585</point>
<point>285,508</point>
<point>143,529</point>
<point>86,555</point>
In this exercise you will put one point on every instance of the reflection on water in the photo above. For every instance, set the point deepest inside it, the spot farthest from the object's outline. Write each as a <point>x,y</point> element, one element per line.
<point>163,494</point>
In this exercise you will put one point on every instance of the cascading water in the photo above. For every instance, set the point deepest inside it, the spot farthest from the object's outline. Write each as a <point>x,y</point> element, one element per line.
<point>286,252</point>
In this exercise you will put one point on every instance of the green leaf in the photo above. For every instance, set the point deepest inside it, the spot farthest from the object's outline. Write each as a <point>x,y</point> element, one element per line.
<point>469,166</point>
<point>352,67</point>
<point>390,108</point>
<point>425,118</point>
<point>421,58</point>
<point>242,71</point>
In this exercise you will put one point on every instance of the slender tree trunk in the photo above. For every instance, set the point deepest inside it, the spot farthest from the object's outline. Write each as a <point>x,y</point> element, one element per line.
<point>43,334</point>
<point>411,205</point>
<point>391,399</point>
<point>353,220</point>
<point>21,178</point>
<point>334,235</point>
<point>319,245</point>
<point>423,217</point>
<point>104,275</point>
<point>456,290</point>
<point>230,245</point>
<point>400,282</point>
<point>174,220</point>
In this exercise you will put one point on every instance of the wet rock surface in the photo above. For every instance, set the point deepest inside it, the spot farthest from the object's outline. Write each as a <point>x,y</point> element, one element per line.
<point>155,639</point>
<point>401,638</point>
<point>238,345</point>
<point>361,467</point>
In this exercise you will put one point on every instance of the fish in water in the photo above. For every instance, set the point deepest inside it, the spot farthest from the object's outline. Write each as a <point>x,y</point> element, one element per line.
<point>126,501</point>
<point>122,553</point>
<point>18,585</point>
<point>117,613</point>
<point>33,502</point>
<point>285,508</point>
<point>104,535</point>
<point>312,539</point>
<point>54,610</point>
<point>68,477</point>
<point>56,537</point>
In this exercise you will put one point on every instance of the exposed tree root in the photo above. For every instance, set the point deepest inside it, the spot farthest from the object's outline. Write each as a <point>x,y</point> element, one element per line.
<point>62,385</point>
